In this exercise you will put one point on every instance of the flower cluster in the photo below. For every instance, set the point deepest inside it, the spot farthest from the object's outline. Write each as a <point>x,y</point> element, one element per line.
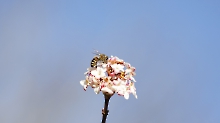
<point>115,76</point>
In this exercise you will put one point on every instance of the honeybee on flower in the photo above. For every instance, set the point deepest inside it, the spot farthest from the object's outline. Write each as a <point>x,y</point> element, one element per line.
<point>110,75</point>
<point>99,57</point>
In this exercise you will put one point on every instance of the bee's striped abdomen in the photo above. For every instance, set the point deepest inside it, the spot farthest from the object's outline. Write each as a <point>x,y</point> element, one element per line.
<point>94,61</point>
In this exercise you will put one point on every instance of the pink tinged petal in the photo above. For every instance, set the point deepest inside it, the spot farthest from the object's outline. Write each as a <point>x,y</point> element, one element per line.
<point>133,69</point>
<point>117,58</point>
<point>112,74</point>
<point>127,65</point>
<point>121,93</point>
<point>107,90</point>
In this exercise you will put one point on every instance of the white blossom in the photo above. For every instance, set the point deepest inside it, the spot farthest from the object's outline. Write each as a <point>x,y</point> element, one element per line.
<point>98,73</point>
<point>115,76</point>
<point>117,68</point>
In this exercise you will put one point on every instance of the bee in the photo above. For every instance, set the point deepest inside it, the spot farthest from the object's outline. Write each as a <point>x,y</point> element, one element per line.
<point>99,58</point>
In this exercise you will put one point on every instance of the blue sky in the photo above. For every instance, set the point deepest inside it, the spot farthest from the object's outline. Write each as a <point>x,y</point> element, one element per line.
<point>46,46</point>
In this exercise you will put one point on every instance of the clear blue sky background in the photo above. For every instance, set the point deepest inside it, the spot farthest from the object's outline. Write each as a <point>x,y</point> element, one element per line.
<point>45,47</point>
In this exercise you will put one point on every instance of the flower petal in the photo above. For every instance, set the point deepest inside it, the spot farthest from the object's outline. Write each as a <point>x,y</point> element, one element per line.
<point>82,82</point>
<point>126,95</point>
<point>97,90</point>
<point>113,76</point>
<point>107,90</point>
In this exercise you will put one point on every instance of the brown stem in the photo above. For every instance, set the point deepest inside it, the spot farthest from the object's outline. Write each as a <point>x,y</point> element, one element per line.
<point>105,109</point>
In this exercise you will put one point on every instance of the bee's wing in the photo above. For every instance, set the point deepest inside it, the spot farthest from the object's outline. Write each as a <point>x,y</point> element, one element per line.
<point>96,52</point>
